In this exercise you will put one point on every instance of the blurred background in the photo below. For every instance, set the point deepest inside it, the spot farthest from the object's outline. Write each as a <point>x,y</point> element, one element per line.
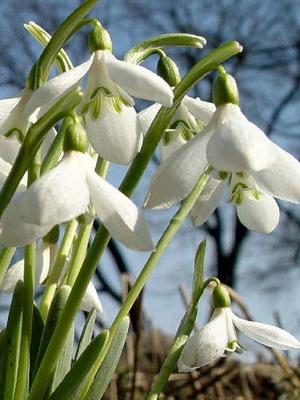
<point>264,269</point>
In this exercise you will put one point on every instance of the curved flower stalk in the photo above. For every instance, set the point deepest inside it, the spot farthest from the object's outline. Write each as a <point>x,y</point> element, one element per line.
<point>65,193</point>
<point>108,108</point>
<point>239,153</point>
<point>16,273</point>
<point>219,337</point>
<point>189,119</point>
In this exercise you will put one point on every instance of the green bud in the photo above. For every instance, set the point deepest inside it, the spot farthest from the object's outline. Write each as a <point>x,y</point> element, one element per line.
<point>225,90</point>
<point>75,138</point>
<point>99,39</point>
<point>30,83</point>
<point>167,69</point>
<point>220,297</point>
<point>52,236</point>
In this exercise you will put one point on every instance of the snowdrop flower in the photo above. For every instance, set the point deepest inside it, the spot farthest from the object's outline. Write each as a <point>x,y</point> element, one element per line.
<point>189,119</point>
<point>65,193</point>
<point>219,336</point>
<point>16,273</point>
<point>238,151</point>
<point>110,118</point>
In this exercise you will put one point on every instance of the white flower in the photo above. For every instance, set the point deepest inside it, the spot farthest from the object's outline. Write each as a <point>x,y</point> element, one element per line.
<point>187,121</point>
<point>16,273</point>
<point>219,336</point>
<point>236,149</point>
<point>110,117</point>
<point>65,193</point>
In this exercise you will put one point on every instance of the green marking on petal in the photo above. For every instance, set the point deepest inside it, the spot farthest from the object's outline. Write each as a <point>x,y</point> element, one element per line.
<point>17,132</point>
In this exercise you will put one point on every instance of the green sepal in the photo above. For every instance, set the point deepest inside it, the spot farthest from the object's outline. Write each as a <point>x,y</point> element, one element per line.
<point>87,333</point>
<point>225,90</point>
<point>13,337</point>
<point>75,138</point>
<point>99,39</point>
<point>144,49</point>
<point>168,70</point>
<point>107,369</point>
<point>80,369</point>
<point>220,297</point>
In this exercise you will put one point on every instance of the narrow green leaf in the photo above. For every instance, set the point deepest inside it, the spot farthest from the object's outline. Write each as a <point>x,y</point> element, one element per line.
<point>13,343</point>
<point>199,265</point>
<point>105,373</point>
<point>87,333</point>
<point>36,335</point>
<point>138,53</point>
<point>64,362</point>
<point>56,307</point>
<point>80,369</point>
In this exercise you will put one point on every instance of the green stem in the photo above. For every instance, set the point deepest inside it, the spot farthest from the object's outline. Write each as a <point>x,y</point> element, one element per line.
<point>58,266</point>
<point>58,40</point>
<point>5,258</point>
<point>33,141</point>
<point>29,286</point>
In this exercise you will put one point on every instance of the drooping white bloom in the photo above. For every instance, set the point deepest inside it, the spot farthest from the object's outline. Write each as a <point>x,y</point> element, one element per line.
<point>218,336</point>
<point>110,117</point>
<point>65,193</point>
<point>238,151</point>
<point>188,120</point>
<point>16,273</point>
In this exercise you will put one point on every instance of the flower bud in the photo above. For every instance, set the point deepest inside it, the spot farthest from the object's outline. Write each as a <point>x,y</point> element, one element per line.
<point>75,138</point>
<point>167,69</point>
<point>225,90</point>
<point>52,236</point>
<point>220,297</point>
<point>99,39</point>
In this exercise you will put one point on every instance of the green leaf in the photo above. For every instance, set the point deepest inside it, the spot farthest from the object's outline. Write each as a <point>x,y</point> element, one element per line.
<point>105,373</point>
<point>87,333</point>
<point>56,307</point>
<point>64,362</point>
<point>144,49</point>
<point>199,265</point>
<point>12,343</point>
<point>36,335</point>
<point>80,369</point>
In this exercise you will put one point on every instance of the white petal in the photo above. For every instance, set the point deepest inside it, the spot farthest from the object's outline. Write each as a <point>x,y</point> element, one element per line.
<point>139,81</point>
<point>167,149</point>
<point>268,335</point>
<point>51,90</point>
<point>237,144</point>
<point>206,345</point>
<point>9,148</point>
<point>12,276</point>
<point>6,106</point>
<point>16,118</point>
<point>208,201</point>
<point>259,215</point>
<point>58,196</point>
<point>115,136</point>
<point>42,263</point>
<point>119,214</point>
<point>147,116</point>
<point>176,177</point>
<point>91,300</point>
<point>281,179</point>
<point>5,168</point>
<point>203,110</point>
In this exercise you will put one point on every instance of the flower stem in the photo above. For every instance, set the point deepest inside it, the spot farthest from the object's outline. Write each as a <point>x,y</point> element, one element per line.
<point>5,258</point>
<point>58,265</point>
<point>59,39</point>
